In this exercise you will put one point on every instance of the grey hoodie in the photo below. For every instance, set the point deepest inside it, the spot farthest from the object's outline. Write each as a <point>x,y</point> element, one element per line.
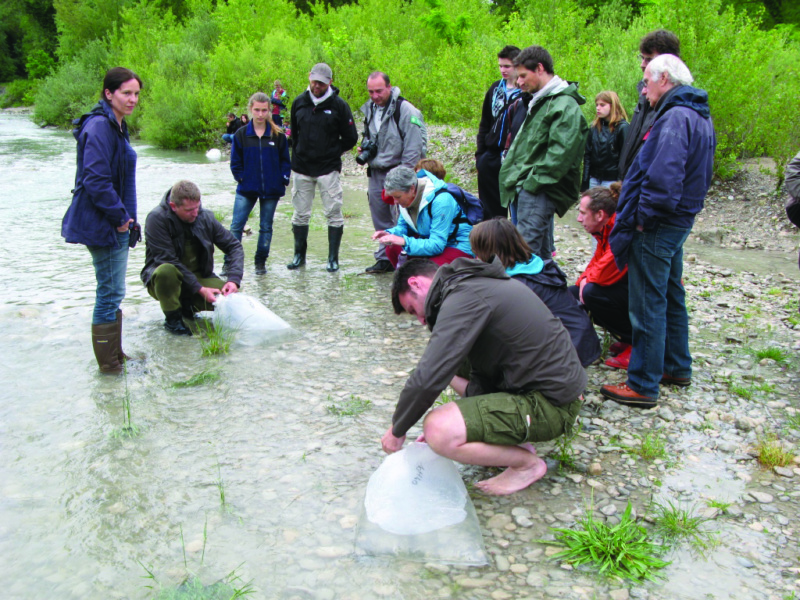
<point>512,340</point>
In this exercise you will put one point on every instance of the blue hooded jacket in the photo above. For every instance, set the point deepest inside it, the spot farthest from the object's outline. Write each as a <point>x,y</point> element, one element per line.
<point>669,178</point>
<point>104,197</point>
<point>435,221</point>
<point>261,165</point>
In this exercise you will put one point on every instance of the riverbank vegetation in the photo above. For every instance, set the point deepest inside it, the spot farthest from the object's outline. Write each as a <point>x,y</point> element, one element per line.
<point>200,58</point>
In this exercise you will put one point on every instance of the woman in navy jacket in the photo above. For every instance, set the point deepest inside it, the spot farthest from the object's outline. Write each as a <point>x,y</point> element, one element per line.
<point>103,206</point>
<point>261,165</point>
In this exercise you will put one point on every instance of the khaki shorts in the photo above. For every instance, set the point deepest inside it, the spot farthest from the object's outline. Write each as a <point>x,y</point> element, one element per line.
<point>509,419</point>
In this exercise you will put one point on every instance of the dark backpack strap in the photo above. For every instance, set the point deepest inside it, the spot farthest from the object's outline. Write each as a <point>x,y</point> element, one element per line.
<point>396,116</point>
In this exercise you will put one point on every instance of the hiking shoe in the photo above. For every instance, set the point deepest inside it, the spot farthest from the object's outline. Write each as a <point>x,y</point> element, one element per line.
<point>620,361</point>
<point>622,394</point>
<point>679,381</point>
<point>381,266</point>
<point>174,323</point>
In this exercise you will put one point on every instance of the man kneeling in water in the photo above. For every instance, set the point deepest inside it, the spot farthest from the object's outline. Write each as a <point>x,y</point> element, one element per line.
<point>525,379</point>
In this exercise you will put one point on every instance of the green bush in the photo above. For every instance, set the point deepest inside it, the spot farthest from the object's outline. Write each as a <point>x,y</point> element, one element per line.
<point>441,53</point>
<point>74,88</point>
<point>21,92</point>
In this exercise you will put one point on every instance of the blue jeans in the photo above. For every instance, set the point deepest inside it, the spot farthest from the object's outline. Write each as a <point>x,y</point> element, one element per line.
<point>595,182</point>
<point>535,222</point>
<point>242,207</point>
<point>227,138</point>
<point>657,307</point>
<point>110,265</point>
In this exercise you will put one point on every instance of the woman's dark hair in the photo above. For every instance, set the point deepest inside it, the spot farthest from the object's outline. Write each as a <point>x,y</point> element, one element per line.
<point>499,237</point>
<point>603,198</point>
<point>115,78</point>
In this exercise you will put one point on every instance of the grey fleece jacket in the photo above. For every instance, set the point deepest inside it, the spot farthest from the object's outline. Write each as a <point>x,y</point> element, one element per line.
<point>404,145</point>
<point>512,340</point>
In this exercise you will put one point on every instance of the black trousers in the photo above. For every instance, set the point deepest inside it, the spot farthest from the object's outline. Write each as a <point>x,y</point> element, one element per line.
<point>488,185</point>
<point>608,305</point>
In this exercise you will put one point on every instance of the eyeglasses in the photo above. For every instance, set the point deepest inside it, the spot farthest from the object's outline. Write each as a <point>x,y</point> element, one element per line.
<point>645,59</point>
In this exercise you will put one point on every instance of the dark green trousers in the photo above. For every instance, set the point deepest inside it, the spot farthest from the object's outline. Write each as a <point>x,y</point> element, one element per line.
<point>166,286</point>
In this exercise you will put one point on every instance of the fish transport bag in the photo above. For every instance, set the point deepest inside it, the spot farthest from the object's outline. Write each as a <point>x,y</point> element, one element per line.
<point>251,321</point>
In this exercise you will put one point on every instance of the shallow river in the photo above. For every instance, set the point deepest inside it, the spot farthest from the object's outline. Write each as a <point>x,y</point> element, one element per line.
<point>83,511</point>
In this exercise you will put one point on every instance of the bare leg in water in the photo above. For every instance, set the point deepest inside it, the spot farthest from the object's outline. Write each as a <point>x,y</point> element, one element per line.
<point>446,433</point>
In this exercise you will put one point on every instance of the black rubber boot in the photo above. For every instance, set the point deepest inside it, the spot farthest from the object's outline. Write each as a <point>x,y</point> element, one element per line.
<point>106,344</point>
<point>174,323</point>
<point>334,241</point>
<point>261,266</point>
<point>300,246</point>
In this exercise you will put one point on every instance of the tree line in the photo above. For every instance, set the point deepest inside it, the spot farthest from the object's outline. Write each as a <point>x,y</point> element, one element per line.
<point>201,58</point>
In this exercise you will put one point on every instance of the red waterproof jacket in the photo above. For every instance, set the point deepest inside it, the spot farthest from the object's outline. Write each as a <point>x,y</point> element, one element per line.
<point>602,270</point>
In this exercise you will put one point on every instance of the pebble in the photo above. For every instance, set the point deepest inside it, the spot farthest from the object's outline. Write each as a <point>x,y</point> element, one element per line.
<point>762,497</point>
<point>501,562</point>
<point>783,471</point>
<point>621,594</point>
<point>595,469</point>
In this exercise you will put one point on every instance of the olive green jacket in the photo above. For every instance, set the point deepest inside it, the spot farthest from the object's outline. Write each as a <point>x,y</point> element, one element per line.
<point>545,157</point>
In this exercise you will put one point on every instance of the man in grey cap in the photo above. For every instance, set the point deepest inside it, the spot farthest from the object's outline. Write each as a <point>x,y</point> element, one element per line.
<point>322,130</point>
<point>394,134</point>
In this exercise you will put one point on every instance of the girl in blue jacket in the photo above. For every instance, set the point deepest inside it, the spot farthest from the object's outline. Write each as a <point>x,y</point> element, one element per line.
<point>260,164</point>
<point>103,206</point>
<point>431,224</point>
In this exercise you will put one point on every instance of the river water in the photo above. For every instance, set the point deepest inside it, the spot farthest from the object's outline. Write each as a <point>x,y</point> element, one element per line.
<point>83,511</point>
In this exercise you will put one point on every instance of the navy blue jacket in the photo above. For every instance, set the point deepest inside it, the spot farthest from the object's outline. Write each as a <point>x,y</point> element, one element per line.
<point>669,178</point>
<point>261,165</point>
<point>104,197</point>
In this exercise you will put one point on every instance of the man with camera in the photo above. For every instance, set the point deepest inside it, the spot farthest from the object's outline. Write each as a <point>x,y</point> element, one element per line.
<point>394,134</point>
<point>322,130</point>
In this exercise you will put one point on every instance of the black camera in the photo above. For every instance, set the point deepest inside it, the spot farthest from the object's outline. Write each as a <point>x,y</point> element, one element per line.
<point>369,150</point>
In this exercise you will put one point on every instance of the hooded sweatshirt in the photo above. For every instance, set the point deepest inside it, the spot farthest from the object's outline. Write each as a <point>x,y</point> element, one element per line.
<point>104,197</point>
<point>545,157</point>
<point>512,340</point>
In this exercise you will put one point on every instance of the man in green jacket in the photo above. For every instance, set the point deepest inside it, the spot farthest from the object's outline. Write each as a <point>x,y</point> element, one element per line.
<point>542,171</point>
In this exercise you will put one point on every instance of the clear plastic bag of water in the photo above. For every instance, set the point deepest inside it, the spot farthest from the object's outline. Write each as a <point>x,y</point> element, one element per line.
<point>251,321</point>
<point>416,506</point>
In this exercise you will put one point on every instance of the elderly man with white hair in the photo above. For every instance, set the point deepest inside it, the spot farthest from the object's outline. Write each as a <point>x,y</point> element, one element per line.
<point>661,194</point>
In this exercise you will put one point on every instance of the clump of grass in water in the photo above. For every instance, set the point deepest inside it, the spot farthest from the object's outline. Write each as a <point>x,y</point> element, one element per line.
<point>349,408</point>
<point>356,281</point>
<point>201,378</point>
<point>622,550</point>
<point>215,340</point>
<point>771,453</point>
<point>719,505</point>
<point>675,523</point>
<point>128,430</point>
<point>651,446</point>
<point>221,214</point>
<point>220,483</point>
<point>564,451</point>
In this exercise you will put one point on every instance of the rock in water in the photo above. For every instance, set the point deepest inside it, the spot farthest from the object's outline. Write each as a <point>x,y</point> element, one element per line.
<point>214,154</point>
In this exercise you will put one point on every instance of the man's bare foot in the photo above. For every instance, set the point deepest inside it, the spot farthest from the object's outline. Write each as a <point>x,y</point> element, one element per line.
<point>515,479</point>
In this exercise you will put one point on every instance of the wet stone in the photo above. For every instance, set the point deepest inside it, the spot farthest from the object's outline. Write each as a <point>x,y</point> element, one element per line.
<point>621,594</point>
<point>783,471</point>
<point>501,562</point>
<point>762,497</point>
<point>498,521</point>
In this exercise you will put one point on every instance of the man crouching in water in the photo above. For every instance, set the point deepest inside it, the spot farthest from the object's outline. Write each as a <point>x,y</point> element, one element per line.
<point>525,378</point>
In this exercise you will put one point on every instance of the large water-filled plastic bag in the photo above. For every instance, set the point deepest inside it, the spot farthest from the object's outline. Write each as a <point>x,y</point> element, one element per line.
<point>416,506</point>
<point>252,322</point>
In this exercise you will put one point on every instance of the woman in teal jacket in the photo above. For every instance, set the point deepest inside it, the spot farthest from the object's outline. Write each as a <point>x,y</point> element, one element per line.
<point>431,223</point>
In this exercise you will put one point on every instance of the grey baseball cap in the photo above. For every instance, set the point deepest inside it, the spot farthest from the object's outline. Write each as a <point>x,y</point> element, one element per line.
<point>321,72</point>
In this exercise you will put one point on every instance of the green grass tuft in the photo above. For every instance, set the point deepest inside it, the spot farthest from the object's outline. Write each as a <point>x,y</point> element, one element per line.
<point>622,550</point>
<point>651,447</point>
<point>349,408</point>
<point>675,523</point>
<point>771,452</point>
<point>201,378</point>
<point>774,353</point>
<point>564,451</point>
<point>214,340</point>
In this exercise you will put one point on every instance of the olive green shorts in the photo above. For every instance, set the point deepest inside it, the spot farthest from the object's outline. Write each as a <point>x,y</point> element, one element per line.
<point>509,419</point>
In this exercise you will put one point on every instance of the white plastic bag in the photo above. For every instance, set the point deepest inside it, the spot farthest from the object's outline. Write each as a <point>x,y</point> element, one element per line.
<point>416,506</point>
<point>415,491</point>
<point>251,321</point>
